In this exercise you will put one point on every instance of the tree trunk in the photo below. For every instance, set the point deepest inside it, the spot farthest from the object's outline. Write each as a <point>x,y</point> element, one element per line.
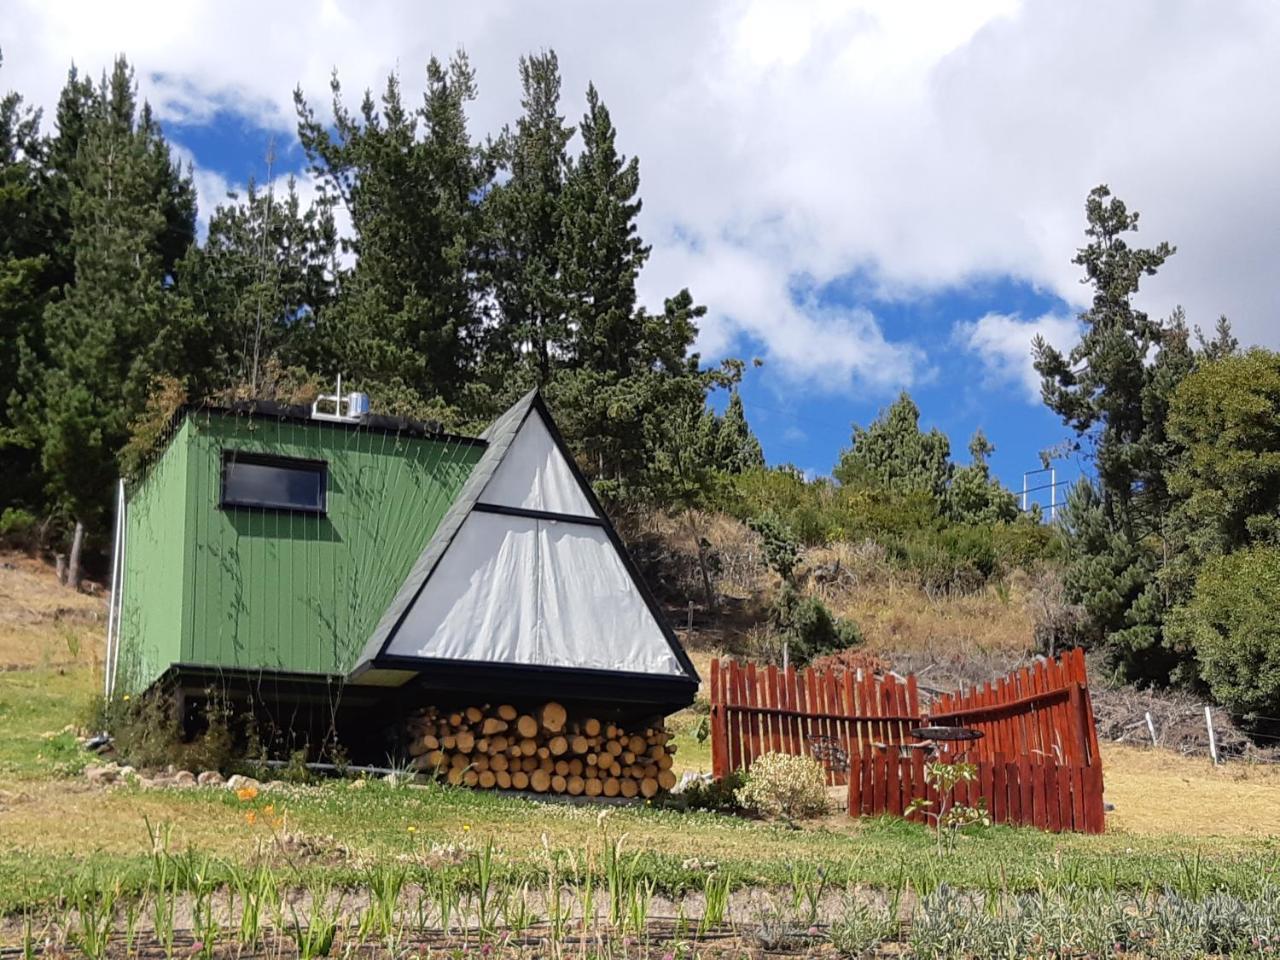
<point>74,571</point>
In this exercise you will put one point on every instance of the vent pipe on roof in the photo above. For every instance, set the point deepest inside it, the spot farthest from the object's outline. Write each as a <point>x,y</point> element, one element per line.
<point>348,409</point>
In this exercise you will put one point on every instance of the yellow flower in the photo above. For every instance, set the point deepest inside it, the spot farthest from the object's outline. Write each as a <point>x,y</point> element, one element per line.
<point>466,827</point>
<point>250,817</point>
<point>247,793</point>
<point>126,696</point>
<point>269,809</point>
<point>413,829</point>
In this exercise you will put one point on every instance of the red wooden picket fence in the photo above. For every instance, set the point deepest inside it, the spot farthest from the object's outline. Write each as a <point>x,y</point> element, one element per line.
<point>763,709</point>
<point>1037,761</point>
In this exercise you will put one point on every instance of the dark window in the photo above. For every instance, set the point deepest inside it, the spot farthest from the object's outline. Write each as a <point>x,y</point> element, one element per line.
<point>273,483</point>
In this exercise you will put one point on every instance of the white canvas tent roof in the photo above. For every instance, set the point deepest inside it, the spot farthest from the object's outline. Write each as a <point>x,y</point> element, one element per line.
<point>526,582</point>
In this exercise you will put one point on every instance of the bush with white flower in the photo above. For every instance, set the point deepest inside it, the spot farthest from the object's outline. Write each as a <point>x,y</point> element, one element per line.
<point>786,786</point>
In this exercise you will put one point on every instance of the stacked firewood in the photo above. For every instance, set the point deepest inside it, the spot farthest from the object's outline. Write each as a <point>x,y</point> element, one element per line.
<point>500,747</point>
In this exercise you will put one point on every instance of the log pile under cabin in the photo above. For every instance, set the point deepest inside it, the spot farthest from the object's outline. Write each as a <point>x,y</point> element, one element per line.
<point>500,747</point>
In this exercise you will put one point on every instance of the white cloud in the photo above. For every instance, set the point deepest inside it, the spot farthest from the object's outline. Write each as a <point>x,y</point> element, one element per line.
<point>922,145</point>
<point>1003,343</point>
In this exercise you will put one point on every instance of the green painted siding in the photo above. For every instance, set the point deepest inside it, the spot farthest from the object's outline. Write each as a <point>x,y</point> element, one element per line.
<point>156,554</point>
<point>283,591</point>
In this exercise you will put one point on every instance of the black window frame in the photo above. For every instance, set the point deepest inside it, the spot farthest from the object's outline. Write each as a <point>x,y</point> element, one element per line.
<point>230,456</point>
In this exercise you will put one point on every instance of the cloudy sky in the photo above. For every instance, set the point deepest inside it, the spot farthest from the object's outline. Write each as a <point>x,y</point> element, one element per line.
<point>870,197</point>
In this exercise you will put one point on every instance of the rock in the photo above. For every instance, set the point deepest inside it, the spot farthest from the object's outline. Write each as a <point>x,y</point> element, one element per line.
<point>102,775</point>
<point>238,781</point>
<point>184,778</point>
<point>210,778</point>
<point>127,773</point>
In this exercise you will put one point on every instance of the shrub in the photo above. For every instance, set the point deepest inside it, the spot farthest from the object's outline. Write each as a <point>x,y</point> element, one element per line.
<point>808,627</point>
<point>781,785</point>
<point>719,796</point>
<point>18,528</point>
<point>781,552</point>
<point>1231,624</point>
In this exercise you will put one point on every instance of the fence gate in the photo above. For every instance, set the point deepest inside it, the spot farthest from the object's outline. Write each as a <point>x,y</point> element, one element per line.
<point>1037,760</point>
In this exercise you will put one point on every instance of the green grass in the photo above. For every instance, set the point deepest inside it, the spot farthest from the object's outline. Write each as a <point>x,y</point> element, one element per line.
<point>36,707</point>
<point>54,828</point>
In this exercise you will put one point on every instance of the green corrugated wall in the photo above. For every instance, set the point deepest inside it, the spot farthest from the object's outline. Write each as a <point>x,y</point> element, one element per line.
<point>271,590</point>
<point>151,616</point>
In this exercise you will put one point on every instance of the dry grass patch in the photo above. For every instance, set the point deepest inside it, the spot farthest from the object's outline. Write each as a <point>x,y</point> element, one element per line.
<point>42,623</point>
<point>1158,792</point>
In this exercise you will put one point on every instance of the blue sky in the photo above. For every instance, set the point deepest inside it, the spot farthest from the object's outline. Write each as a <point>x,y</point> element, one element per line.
<point>871,196</point>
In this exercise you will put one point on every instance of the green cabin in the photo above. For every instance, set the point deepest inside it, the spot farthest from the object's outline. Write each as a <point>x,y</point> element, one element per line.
<point>362,565</point>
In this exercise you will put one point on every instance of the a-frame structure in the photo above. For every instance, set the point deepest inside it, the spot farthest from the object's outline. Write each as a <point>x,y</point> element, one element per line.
<point>526,589</point>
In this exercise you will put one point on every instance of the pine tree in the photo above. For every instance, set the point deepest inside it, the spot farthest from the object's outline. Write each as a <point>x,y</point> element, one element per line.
<point>525,216</point>
<point>253,292</point>
<point>409,313</point>
<point>127,202</point>
<point>1113,389</point>
<point>737,448</point>
<point>974,496</point>
<point>895,454</point>
<point>26,281</point>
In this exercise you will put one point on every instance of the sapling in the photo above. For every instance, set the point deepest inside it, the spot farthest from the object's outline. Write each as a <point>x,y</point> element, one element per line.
<point>948,817</point>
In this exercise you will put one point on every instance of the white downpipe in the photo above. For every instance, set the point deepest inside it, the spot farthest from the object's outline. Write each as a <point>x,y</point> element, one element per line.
<point>124,543</point>
<point>117,576</point>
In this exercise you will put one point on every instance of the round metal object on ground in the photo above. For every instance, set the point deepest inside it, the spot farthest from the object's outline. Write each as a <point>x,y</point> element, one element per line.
<point>947,733</point>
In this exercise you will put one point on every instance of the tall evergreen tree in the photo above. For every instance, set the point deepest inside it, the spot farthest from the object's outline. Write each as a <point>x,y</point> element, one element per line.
<point>253,292</point>
<point>524,250</point>
<point>1113,389</point>
<point>127,207</point>
<point>974,496</point>
<point>409,312</point>
<point>894,453</point>
<point>737,447</point>
<point>26,282</point>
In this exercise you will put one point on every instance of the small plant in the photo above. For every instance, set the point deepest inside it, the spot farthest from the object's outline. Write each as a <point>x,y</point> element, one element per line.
<point>715,901</point>
<point>861,928</point>
<point>779,785</point>
<point>949,817</point>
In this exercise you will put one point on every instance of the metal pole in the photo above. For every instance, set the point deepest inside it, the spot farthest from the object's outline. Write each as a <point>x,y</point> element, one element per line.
<point>1053,493</point>
<point>1024,492</point>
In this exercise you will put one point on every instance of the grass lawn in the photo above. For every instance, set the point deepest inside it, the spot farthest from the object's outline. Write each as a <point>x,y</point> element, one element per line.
<point>53,825</point>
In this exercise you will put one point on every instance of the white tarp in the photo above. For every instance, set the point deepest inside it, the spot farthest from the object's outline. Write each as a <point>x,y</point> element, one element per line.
<point>534,476</point>
<point>516,590</point>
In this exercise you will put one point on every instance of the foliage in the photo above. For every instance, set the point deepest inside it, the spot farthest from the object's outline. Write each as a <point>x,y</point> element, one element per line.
<point>780,785</point>
<point>894,453</point>
<point>132,216</point>
<point>807,626</point>
<point>146,732</point>
<point>1227,479</point>
<point>781,552</point>
<point>973,495</point>
<point>18,528</point>
<point>718,796</point>
<point>1113,389</point>
<point>1231,625</point>
<point>948,816</point>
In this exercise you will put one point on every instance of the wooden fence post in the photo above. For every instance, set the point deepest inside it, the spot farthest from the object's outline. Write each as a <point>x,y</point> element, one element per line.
<point>1213,740</point>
